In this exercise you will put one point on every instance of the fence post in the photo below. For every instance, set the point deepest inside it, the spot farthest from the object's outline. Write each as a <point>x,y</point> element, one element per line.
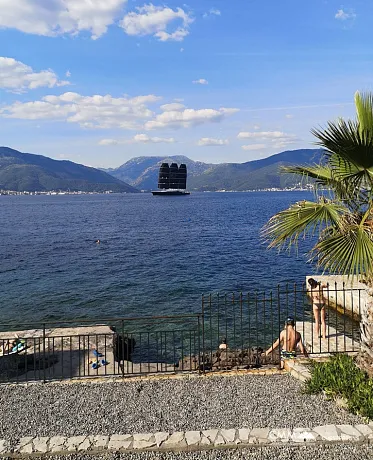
<point>44,379</point>
<point>203,335</point>
<point>279,322</point>
<point>122,342</point>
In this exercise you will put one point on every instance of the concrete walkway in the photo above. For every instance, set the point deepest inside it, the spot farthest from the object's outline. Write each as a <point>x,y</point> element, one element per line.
<point>336,341</point>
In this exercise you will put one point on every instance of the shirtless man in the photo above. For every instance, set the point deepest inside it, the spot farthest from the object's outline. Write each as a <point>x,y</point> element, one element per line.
<point>289,340</point>
<point>318,305</point>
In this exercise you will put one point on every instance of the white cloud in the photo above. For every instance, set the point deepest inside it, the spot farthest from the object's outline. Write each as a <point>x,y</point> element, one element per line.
<point>181,50</point>
<point>212,12</point>
<point>68,73</point>
<point>345,15</point>
<point>59,17</point>
<point>18,77</point>
<point>254,147</point>
<point>139,139</point>
<point>108,142</point>
<point>88,111</point>
<point>145,139</point>
<point>174,106</point>
<point>201,81</point>
<point>157,21</point>
<point>262,135</point>
<point>289,116</point>
<point>276,139</point>
<point>188,117</point>
<point>208,141</point>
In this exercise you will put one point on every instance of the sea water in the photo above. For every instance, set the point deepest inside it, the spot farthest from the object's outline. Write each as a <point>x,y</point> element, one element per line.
<point>157,255</point>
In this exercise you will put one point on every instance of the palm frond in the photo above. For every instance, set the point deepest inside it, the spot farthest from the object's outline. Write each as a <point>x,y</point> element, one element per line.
<point>364,110</point>
<point>303,217</point>
<point>348,253</point>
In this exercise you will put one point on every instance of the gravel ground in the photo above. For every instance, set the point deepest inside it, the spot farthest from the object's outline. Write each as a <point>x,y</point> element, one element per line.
<point>163,405</point>
<point>319,452</point>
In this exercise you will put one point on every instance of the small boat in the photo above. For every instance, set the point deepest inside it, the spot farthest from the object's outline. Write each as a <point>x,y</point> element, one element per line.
<point>172,180</point>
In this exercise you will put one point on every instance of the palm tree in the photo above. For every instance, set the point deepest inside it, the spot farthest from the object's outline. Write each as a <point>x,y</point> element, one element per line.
<point>342,214</point>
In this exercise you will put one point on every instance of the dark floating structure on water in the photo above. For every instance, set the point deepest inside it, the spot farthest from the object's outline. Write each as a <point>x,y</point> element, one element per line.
<point>172,180</point>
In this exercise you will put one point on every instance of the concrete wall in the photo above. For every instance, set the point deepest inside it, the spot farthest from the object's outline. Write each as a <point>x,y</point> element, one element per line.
<point>346,295</point>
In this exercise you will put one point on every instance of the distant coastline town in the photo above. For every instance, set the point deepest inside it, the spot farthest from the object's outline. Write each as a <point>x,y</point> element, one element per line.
<point>303,188</point>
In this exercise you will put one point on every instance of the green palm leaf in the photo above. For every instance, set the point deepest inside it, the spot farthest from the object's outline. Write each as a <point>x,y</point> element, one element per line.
<point>304,217</point>
<point>347,253</point>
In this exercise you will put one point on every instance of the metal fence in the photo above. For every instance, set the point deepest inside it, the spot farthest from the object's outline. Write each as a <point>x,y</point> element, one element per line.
<point>230,332</point>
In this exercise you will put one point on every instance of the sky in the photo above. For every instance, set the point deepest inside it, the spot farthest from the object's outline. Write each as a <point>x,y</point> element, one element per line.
<point>99,82</point>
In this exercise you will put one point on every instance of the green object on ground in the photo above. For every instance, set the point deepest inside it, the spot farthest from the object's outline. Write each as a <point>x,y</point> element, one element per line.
<point>341,377</point>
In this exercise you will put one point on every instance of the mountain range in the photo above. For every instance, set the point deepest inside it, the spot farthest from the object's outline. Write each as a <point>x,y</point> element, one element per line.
<point>29,172</point>
<point>142,172</point>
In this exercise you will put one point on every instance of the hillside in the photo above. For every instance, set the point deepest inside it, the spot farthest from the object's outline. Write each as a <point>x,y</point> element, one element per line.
<point>253,175</point>
<point>28,172</point>
<point>142,172</point>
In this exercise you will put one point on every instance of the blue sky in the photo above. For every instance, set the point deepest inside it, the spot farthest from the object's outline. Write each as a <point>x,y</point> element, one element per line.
<point>99,82</point>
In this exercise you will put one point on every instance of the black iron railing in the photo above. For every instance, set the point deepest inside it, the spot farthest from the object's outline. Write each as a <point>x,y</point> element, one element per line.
<point>231,331</point>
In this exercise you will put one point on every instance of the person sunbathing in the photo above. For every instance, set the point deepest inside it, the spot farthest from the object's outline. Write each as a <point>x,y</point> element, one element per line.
<point>289,340</point>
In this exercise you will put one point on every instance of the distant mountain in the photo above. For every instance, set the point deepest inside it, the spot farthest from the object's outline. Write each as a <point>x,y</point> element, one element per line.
<point>254,175</point>
<point>142,172</point>
<point>28,172</point>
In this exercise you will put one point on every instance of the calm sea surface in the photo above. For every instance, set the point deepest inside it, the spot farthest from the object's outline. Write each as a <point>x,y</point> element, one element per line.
<point>157,255</point>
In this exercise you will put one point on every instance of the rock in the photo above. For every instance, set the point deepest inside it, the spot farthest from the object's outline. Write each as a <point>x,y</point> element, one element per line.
<point>41,444</point>
<point>161,437</point>
<point>192,437</point>
<point>57,443</point>
<point>328,432</point>
<point>228,435</point>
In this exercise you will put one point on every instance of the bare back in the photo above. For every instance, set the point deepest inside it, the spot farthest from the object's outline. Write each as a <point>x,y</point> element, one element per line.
<point>290,338</point>
<point>317,295</point>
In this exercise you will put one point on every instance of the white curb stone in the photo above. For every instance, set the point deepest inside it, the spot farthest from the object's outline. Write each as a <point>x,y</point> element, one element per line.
<point>205,441</point>
<point>100,442</point>
<point>85,445</point>
<point>259,435</point>
<point>119,441</point>
<point>228,435</point>
<point>328,432</point>
<point>211,434</point>
<point>143,436</point>
<point>27,449</point>
<point>161,437</point>
<point>41,444</point>
<point>229,438</point>
<point>349,432</point>
<point>57,443</point>
<point>25,445</point>
<point>4,446</point>
<point>303,435</point>
<point>243,434</point>
<point>219,440</point>
<point>176,439</point>
<point>143,444</point>
<point>366,430</point>
<point>279,434</point>
<point>74,442</point>
<point>192,437</point>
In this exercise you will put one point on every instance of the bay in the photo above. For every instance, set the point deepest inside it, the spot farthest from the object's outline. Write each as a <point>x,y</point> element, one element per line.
<point>157,255</point>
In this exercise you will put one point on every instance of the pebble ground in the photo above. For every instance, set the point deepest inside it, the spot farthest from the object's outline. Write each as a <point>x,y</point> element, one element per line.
<point>163,405</point>
<point>319,452</point>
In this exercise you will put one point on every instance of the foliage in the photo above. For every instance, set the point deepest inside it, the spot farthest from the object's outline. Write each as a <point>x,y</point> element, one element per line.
<point>340,377</point>
<point>342,218</point>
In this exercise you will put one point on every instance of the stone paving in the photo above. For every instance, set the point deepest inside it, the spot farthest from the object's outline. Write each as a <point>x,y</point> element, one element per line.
<point>188,440</point>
